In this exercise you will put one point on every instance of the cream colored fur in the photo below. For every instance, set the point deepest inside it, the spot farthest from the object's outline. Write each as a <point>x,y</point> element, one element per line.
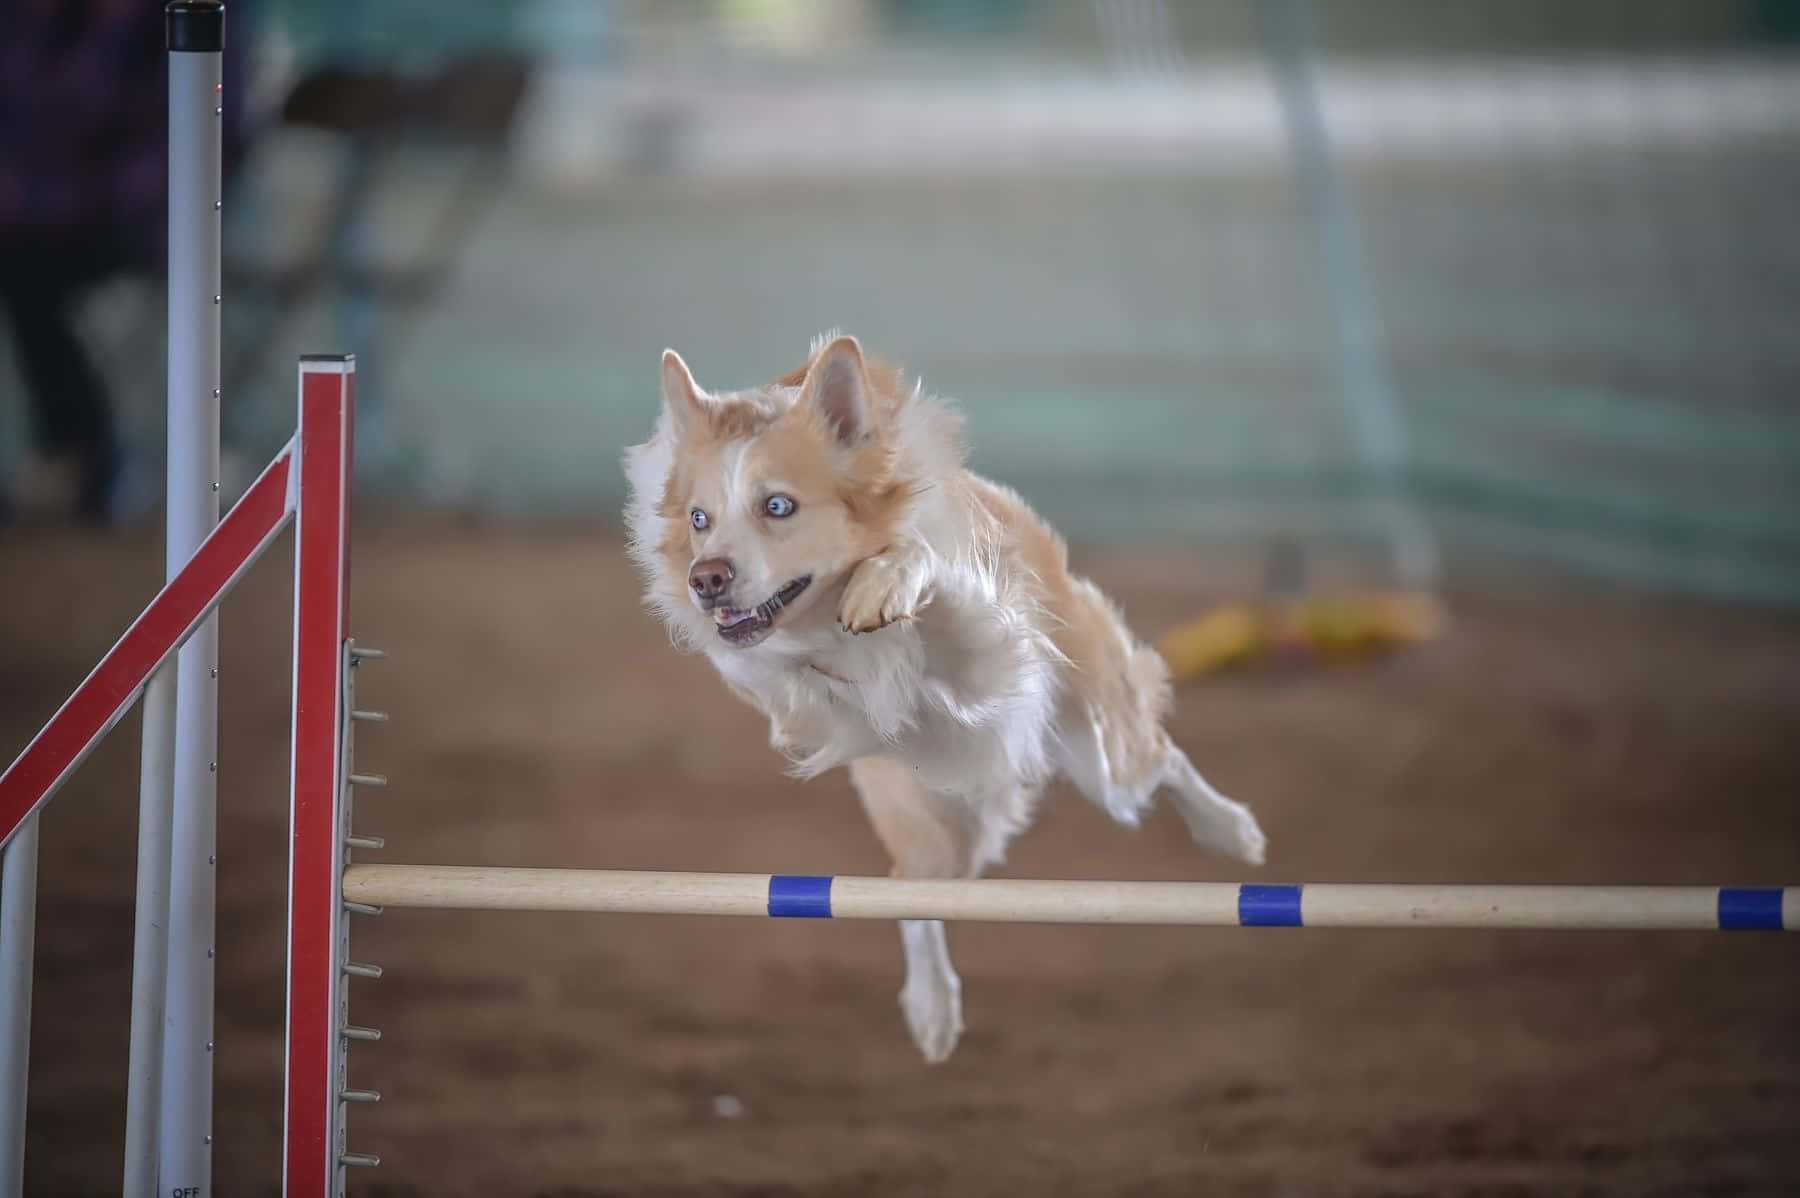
<point>943,651</point>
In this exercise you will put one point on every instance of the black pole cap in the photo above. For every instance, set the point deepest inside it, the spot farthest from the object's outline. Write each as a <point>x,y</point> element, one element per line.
<point>197,26</point>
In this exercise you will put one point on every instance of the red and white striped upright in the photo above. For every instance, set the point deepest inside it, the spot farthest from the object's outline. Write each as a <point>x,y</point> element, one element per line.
<point>316,854</point>
<point>308,480</point>
<point>98,704</point>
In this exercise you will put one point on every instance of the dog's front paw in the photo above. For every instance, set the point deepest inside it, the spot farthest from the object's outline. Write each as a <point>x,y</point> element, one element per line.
<point>933,1010</point>
<point>880,592</point>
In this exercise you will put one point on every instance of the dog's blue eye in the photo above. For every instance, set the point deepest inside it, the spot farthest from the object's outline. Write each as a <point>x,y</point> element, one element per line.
<point>778,506</point>
<point>700,519</point>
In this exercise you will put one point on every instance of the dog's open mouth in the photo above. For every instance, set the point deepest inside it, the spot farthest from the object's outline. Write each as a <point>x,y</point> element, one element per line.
<point>742,626</point>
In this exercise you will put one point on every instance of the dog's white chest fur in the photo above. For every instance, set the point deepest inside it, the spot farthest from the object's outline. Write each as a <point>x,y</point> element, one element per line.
<point>965,693</point>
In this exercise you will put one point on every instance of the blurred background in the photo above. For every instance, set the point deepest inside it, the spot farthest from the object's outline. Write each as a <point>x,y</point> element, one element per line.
<point>1210,270</point>
<point>1497,302</point>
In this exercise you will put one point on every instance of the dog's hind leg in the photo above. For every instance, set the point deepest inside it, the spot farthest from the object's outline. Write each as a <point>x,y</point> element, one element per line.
<point>1215,821</point>
<point>1110,738</point>
<point>928,836</point>
<point>1125,794</point>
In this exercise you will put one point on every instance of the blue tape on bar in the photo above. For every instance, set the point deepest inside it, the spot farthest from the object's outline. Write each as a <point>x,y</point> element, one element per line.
<point>1750,908</point>
<point>800,896</point>
<point>1268,906</point>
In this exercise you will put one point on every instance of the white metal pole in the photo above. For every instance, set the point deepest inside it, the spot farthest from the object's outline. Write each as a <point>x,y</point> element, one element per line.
<point>196,39</point>
<point>1355,323</point>
<point>150,944</point>
<point>18,937</point>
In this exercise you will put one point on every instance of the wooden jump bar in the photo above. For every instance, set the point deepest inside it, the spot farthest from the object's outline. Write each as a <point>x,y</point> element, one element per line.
<point>1219,904</point>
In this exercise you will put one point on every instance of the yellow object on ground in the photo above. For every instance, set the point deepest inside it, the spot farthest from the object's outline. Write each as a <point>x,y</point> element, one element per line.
<point>1327,627</point>
<point>1223,636</point>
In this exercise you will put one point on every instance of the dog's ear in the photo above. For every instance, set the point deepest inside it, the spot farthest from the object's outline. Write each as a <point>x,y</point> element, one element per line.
<point>837,386</point>
<point>683,399</point>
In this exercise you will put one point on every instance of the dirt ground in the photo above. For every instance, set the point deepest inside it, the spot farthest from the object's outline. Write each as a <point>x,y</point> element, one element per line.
<point>1562,734</point>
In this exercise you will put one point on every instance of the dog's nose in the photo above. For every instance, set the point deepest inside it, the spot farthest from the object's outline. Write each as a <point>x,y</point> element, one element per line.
<point>710,577</point>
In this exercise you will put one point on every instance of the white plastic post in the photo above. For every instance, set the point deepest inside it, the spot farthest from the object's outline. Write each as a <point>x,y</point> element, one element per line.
<point>18,937</point>
<point>150,943</point>
<point>196,39</point>
<point>1355,322</point>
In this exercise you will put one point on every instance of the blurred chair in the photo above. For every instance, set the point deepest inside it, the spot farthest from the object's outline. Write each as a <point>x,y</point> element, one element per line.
<point>464,112</point>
